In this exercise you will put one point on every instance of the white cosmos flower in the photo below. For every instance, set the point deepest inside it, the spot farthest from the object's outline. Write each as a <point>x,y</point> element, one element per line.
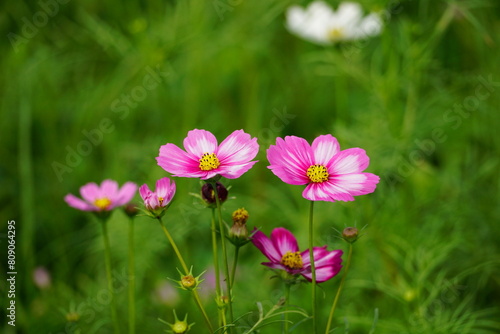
<point>318,23</point>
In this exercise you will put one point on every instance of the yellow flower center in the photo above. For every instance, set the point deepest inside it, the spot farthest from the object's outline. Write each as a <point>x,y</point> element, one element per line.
<point>336,34</point>
<point>161,199</point>
<point>102,203</point>
<point>317,173</point>
<point>292,260</point>
<point>209,161</point>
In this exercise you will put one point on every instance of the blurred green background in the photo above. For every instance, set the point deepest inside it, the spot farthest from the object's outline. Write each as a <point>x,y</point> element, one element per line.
<point>422,99</point>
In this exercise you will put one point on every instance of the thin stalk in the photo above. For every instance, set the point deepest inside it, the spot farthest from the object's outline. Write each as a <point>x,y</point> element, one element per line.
<point>287,303</point>
<point>186,271</point>
<point>224,255</point>
<point>235,263</point>
<point>335,301</point>
<point>222,320</point>
<point>313,268</point>
<point>107,259</point>
<point>131,274</point>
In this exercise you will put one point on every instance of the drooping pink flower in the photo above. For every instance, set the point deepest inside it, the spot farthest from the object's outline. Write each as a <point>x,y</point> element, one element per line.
<point>102,198</point>
<point>283,252</point>
<point>329,173</point>
<point>154,200</point>
<point>204,158</point>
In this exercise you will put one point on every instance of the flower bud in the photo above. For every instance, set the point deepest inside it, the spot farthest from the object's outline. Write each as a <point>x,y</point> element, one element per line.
<point>208,194</point>
<point>179,326</point>
<point>130,210</point>
<point>238,233</point>
<point>350,234</point>
<point>189,282</point>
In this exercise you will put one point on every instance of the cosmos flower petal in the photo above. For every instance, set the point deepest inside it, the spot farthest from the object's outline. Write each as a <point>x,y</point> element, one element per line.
<point>179,163</point>
<point>317,192</point>
<point>355,184</point>
<point>266,246</point>
<point>352,160</point>
<point>125,194</point>
<point>239,147</point>
<point>284,241</point>
<point>144,191</point>
<point>90,192</point>
<point>78,203</point>
<point>324,148</point>
<point>371,25</point>
<point>323,274</point>
<point>234,171</point>
<point>199,142</point>
<point>109,189</point>
<point>349,14</point>
<point>322,257</point>
<point>290,159</point>
<point>275,265</point>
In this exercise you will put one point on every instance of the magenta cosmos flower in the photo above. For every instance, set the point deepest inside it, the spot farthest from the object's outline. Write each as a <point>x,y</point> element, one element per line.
<point>330,174</point>
<point>102,198</point>
<point>205,159</point>
<point>283,252</point>
<point>165,191</point>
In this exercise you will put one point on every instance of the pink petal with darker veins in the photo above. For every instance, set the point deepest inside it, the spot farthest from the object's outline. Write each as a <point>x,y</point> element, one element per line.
<point>266,246</point>
<point>284,241</point>
<point>199,142</point>
<point>325,147</point>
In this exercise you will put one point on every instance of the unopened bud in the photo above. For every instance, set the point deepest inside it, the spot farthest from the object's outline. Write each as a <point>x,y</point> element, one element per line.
<point>188,281</point>
<point>208,193</point>
<point>350,234</point>
<point>130,209</point>
<point>180,326</point>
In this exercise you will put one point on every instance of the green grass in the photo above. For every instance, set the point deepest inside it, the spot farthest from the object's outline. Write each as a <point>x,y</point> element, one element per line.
<point>428,260</point>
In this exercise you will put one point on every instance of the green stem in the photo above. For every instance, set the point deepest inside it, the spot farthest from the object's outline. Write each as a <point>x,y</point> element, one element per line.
<point>131,274</point>
<point>335,301</point>
<point>186,271</point>
<point>107,258</point>
<point>313,268</point>
<point>287,303</point>
<point>235,263</point>
<point>224,255</point>
<point>222,321</point>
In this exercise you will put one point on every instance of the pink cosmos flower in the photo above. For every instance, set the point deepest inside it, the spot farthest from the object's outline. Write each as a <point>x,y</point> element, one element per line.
<point>330,174</point>
<point>102,198</point>
<point>205,159</point>
<point>165,191</point>
<point>283,252</point>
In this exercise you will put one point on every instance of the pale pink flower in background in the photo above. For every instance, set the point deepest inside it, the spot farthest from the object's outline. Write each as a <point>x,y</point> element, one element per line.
<point>41,277</point>
<point>329,173</point>
<point>161,197</point>
<point>105,197</point>
<point>204,158</point>
<point>320,24</point>
<point>283,252</point>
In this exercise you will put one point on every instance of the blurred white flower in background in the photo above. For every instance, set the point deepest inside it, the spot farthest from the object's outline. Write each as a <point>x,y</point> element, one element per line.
<point>320,24</point>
